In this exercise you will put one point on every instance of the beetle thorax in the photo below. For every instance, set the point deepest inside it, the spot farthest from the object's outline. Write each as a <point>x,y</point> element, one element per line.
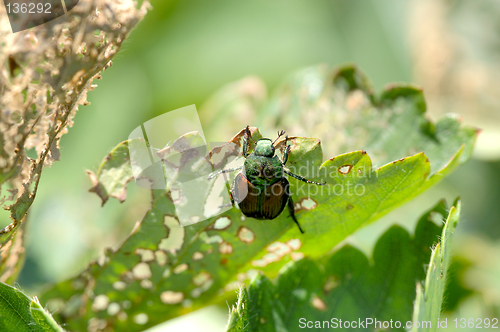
<point>264,148</point>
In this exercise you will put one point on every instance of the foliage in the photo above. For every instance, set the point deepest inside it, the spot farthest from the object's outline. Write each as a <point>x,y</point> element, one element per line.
<point>48,71</point>
<point>163,265</point>
<point>349,288</point>
<point>164,270</point>
<point>19,313</point>
<point>115,174</point>
<point>430,296</point>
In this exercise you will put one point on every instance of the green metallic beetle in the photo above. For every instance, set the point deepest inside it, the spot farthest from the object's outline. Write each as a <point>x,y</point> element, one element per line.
<point>260,188</point>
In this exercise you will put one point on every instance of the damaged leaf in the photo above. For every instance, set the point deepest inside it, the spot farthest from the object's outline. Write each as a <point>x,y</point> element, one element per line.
<point>348,287</point>
<point>52,67</point>
<point>340,107</point>
<point>164,270</point>
<point>113,174</point>
<point>12,256</point>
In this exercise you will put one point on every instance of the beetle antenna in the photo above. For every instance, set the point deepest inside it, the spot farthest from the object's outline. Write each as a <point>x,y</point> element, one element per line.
<point>280,133</point>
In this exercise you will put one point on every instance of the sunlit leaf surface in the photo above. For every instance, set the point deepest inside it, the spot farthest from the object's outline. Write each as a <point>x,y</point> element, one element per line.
<point>164,270</point>
<point>19,313</point>
<point>349,290</point>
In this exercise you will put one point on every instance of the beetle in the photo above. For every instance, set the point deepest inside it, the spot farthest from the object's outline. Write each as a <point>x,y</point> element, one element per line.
<point>260,188</point>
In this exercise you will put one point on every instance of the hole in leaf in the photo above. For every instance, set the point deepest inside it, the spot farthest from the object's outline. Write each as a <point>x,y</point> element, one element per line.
<point>31,153</point>
<point>170,297</point>
<point>294,244</point>
<point>201,278</point>
<point>345,169</point>
<point>279,248</point>
<point>146,254</point>
<point>161,257</point>
<point>141,271</point>
<point>267,259</point>
<point>210,239</point>
<point>195,293</point>
<point>308,203</point>
<point>146,283</point>
<point>246,235</point>
<point>100,302</point>
<point>330,284</point>
<point>296,256</point>
<point>176,195</point>
<point>318,303</point>
<point>96,324</point>
<point>113,308</point>
<point>119,285</point>
<point>225,248</point>
<point>141,319</point>
<point>180,268</point>
<point>222,223</point>
<point>197,256</point>
<point>175,237</point>
<point>259,263</point>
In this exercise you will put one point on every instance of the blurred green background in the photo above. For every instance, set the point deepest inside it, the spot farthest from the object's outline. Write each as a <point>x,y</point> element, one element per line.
<point>184,51</point>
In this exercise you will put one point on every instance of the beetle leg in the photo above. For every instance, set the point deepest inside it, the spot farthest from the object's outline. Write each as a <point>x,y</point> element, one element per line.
<point>222,171</point>
<point>231,197</point>
<point>298,177</point>
<point>225,205</point>
<point>287,151</point>
<point>228,204</point>
<point>292,213</point>
<point>246,141</point>
<point>280,133</point>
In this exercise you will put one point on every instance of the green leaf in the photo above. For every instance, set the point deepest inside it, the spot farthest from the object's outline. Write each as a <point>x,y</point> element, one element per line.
<point>37,119</point>
<point>430,296</point>
<point>164,270</point>
<point>42,317</point>
<point>18,313</point>
<point>340,107</point>
<point>13,253</point>
<point>113,174</point>
<point>238,317</point>
<point>346,287</point>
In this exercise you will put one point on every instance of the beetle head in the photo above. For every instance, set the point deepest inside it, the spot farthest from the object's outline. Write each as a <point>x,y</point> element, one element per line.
<point>264,148</point>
